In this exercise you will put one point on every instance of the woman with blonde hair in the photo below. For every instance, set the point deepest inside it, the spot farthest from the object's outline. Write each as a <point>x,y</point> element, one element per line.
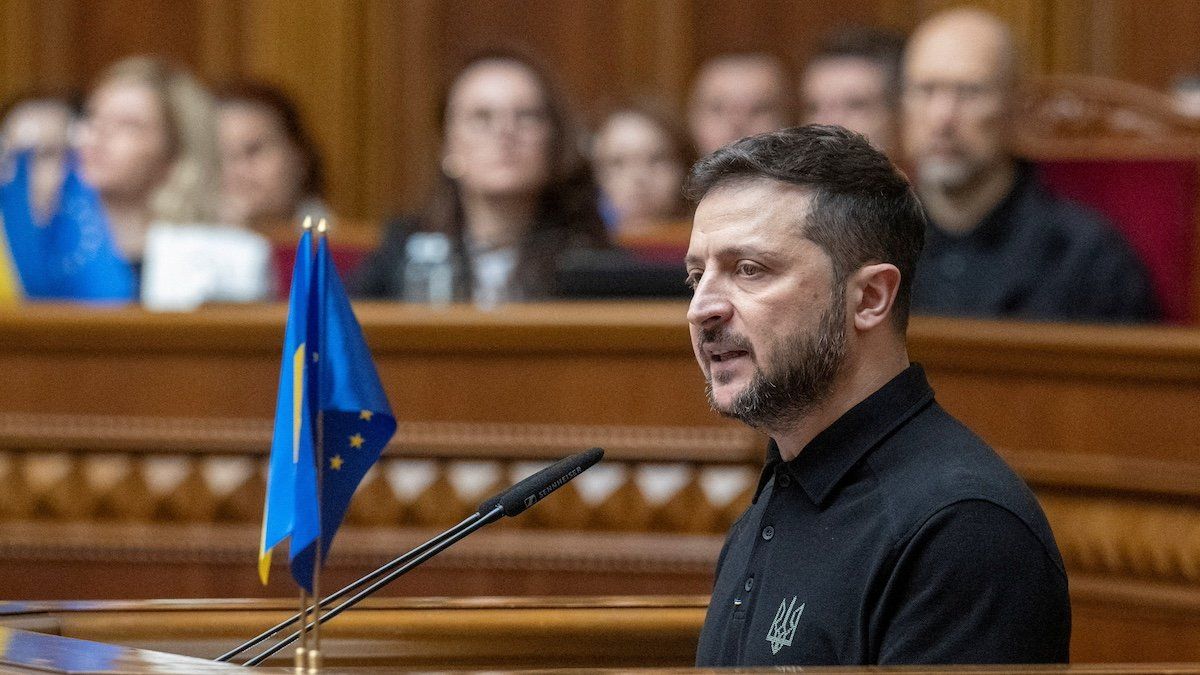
<point>149,147</point>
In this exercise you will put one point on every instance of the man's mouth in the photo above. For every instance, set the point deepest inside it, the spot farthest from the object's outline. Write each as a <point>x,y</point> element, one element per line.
<point>719,357</point>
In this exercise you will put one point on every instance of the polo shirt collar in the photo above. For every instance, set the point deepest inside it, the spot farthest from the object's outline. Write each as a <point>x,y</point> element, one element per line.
<point>826,459</point>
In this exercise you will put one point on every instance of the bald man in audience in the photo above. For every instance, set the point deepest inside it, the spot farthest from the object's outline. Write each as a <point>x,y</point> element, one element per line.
<point>737,95</point>
<point>999,244</point>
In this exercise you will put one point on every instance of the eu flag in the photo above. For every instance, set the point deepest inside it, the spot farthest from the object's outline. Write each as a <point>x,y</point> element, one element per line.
<point>74,255</point>
<point>332,418</point>
<point>355,417</point>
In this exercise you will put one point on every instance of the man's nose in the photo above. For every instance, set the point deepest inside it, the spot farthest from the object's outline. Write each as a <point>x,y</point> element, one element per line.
<point>710,305</point>
<point>943,107</point>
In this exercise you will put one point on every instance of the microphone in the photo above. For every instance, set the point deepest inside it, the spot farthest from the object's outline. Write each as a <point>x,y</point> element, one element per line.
<point>508,503</point>
<point>535,488</point>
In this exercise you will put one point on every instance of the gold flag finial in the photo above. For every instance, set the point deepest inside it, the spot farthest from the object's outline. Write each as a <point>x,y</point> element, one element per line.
<point>322,226</point>
<point>308,222</point>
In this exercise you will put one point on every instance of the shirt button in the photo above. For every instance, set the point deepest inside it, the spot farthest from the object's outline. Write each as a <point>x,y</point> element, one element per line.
<point>784,480</point>
<point>768,532</point>
<point>749,583</point>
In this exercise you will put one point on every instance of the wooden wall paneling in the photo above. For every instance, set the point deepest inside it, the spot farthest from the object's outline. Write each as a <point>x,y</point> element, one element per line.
<point>573,38</point>
<point>402,80</point>
<point>221,50</point>
<point>1152,43</point>
<point>656,41</point>
<point>58,28</point>
<point>18,53</point>
<point>1071,44</point>
<point>587,57</point>
<point>788,29</point>
<point>37,43</point>
<point>114,29</point>
<point>314,50</point>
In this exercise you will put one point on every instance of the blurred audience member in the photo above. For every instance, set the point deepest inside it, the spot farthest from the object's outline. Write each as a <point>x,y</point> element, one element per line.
<point>514,194</point>
<point>641,156</point>
<point>999,243</point>
<point>54,223</point>
<point>42,126</point>
<point>149,146</point>
<point>1185,95</point>
<point>271,172</point>
<point>738,95</point>
<point>853,80</point>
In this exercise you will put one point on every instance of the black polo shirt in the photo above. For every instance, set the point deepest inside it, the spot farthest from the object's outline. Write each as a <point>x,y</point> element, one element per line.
<point>1034,256</point>
<point>896,536</point>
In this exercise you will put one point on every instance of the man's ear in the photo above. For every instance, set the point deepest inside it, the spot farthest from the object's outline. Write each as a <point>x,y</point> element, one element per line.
<point>875,292</point>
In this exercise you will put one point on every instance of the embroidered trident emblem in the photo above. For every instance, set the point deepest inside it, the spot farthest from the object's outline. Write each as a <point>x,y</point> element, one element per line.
<point>783,628</point>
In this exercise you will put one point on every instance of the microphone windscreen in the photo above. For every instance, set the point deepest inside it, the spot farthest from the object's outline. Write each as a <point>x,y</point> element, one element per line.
<point>533,489</point>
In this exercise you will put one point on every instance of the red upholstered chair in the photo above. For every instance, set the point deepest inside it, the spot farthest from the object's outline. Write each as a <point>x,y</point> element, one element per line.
<point>663,243</point>
<point>350,243</point>
<point>1122,150</point>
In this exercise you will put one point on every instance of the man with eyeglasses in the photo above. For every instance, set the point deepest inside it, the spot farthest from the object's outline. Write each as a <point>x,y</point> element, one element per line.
<point>999,244</point>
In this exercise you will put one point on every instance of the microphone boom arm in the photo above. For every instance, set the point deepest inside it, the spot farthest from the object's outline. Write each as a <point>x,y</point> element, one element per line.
<point>445,542</point>
<point>330,599</point>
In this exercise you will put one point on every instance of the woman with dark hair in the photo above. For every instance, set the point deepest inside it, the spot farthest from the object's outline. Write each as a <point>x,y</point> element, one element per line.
<point>271,172</point>
<point>514,193</point>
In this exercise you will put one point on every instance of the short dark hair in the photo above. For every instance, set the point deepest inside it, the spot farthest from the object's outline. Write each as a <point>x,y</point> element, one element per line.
<point>863,208</point>
<point>880,46</point>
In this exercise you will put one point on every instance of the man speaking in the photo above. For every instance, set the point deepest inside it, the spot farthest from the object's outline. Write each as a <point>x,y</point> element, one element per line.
<point>883,531</point>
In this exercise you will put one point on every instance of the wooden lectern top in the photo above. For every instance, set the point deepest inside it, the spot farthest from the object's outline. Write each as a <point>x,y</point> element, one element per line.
<point>387,635</point>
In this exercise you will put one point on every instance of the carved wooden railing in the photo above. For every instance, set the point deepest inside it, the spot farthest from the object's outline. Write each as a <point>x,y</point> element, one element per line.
<point>1090,116</point>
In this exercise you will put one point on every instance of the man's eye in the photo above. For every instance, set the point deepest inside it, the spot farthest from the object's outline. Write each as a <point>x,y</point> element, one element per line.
<point>748,270</point>
<point>692,280</point>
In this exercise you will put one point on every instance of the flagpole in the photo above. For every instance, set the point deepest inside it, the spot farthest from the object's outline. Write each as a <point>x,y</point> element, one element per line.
<point>314,654</point>
<point>302,649</point>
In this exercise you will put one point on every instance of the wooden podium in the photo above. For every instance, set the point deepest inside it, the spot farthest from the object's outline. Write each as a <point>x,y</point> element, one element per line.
<point>388,635</point>
<point>131,449</point>
<point>379,635</point>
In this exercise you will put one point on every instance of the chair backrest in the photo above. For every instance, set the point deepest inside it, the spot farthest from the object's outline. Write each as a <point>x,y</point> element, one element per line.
<point>351,242</point>
<point>1122,150</point>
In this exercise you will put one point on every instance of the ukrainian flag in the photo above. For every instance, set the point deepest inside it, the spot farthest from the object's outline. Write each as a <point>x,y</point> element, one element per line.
<point>291,502</point>
<point>332,418</point>
<point>356,418</point>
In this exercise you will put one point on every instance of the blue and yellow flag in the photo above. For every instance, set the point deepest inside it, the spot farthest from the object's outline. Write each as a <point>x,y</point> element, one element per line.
<point>291,503</point>
<point>330,382</point>
<point>74,255</point>
<point>356,419</point>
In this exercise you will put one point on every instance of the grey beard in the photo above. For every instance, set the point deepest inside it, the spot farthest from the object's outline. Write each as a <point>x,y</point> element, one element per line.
<point>944,176</point>
<point>780,399</point>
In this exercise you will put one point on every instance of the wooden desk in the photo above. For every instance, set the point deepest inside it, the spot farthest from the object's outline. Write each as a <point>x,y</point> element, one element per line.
<point>134,439</point>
